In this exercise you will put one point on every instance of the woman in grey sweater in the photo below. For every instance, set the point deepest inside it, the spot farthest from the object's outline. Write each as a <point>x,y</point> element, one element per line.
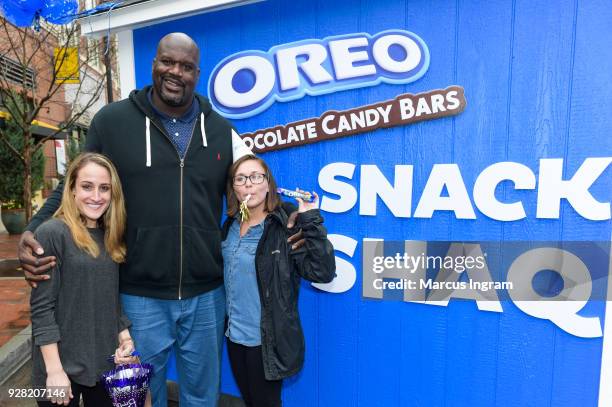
<point>77,320</point>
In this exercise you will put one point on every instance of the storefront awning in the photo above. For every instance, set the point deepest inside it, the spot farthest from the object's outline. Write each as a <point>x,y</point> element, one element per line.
<point>3,117</point>
<point>41,129</point>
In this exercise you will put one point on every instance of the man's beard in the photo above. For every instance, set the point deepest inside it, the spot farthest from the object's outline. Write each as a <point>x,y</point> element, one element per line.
<point>177,101</point>
<point>171,100</point>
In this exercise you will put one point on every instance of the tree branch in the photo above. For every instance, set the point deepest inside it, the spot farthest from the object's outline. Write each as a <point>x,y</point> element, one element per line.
<point>4,139</point>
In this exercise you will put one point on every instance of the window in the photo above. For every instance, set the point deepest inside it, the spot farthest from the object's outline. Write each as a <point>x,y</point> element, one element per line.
<point>14,72</point>
<point>95,53</point>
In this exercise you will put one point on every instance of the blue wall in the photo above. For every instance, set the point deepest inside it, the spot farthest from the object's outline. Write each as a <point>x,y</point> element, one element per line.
<point>536,76</point>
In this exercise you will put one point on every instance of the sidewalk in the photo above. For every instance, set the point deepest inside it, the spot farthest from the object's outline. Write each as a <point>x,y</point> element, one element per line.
<point>15,336</point>
<point>8,246</point>
<point>14,307</point>
<point>14,291</point>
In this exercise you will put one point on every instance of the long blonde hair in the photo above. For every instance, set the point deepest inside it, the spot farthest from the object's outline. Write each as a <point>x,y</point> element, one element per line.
<point>113,220</point>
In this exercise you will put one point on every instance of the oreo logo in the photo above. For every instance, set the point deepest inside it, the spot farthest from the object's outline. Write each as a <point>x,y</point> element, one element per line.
<point>247,83</point>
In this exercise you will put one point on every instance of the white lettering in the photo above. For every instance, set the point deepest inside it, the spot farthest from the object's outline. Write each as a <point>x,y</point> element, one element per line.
<point>380,50</point>
<point>345,272</point>
<point>343,58</point>
<point>487,181</point>
<point>458,200</point>
<point>325,124</point>
<point>562,310</point>
<point>329,183</point>
<point>552,188</point>
<point>397,197</point>
<point>288,67</point>
<point>264,81</point>
<point>406,108</point>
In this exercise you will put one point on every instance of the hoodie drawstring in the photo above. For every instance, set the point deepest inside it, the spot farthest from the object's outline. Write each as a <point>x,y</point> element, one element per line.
<point>148,137</point>
<point>203,131</point>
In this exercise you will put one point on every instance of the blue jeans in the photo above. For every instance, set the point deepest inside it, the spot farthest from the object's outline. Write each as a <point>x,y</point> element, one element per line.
<point>194,327</point>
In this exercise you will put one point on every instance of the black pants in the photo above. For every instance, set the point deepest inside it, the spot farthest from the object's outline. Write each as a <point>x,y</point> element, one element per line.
<point>247,366</point>
<point>92,396</point>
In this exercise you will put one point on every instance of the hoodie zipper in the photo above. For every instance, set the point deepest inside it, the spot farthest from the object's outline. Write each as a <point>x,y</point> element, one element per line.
<point>182,166</point>
<point>181,227</point>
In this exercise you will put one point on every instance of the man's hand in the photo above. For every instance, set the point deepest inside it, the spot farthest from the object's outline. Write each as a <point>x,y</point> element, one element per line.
<point>33,266</point>
<point>296,240</point>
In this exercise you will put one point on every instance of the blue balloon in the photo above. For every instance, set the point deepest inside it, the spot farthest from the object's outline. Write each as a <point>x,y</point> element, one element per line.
<point>17,15</point>
<point>60,11</point>
<point>28,5</point>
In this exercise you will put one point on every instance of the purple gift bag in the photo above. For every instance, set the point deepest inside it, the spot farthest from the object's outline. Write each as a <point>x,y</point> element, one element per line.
<point>128,384</point>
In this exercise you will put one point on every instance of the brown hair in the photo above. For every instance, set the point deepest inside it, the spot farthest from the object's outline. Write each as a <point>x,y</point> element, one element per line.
<point>233,204</point>
<point>113,219</point>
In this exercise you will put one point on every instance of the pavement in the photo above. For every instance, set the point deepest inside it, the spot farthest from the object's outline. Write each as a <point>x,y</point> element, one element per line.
<point>15,333</point>
<point>14,306</point>
<point>15,329</point>
<point>14,292</point>
<point>19,380</point>
<point>8,246</point>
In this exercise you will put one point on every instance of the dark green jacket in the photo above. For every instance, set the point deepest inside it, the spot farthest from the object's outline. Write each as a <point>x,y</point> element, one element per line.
<point>173,206</point>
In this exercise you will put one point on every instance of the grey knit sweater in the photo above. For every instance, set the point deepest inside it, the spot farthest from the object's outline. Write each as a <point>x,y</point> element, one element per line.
<point>78,307</point>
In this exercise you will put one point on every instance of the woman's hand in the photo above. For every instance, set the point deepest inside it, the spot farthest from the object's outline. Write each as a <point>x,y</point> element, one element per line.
<point>306,206</point>
<point>58,386</point>
<point>124,351</point>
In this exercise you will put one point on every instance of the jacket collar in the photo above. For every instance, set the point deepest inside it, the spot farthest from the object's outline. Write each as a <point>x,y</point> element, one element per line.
<point>279,215</point>
<point>140,99</point>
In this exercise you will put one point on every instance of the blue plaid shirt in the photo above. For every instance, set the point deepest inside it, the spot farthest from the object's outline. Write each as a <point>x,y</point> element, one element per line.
<point>181,128</point>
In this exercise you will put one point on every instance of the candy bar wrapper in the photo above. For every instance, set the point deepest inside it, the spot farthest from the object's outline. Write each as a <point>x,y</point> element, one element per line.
<point>305,196</point>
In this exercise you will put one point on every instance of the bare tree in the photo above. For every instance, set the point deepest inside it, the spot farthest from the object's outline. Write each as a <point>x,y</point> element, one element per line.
<point>30,85</point>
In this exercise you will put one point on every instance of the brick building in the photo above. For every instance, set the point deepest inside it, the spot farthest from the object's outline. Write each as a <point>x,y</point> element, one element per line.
<point>26,60</point>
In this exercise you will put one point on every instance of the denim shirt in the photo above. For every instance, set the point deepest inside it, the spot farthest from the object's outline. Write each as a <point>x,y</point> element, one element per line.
<point>242,293</point>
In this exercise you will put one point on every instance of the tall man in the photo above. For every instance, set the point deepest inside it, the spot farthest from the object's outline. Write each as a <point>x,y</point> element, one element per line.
<point>172,152</point>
